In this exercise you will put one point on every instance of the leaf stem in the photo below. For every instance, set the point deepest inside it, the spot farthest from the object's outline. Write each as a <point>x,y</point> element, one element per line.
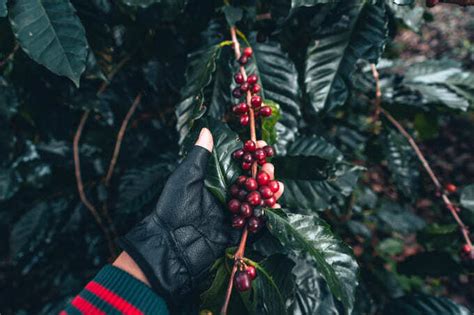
<point>448,203</point>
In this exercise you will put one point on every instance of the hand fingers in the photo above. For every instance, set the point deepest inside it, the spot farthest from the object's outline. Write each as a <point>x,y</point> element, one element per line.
<point>276,206</point>
<point>280,191</point>
<point>269,169</point>
<point>205,140</point>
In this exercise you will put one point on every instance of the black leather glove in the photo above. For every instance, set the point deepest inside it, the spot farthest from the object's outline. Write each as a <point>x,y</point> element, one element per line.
<point>177,243</point>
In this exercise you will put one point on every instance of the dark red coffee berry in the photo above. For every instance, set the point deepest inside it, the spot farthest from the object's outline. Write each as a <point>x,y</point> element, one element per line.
<point>466,249</point>
<point>256,89</point>
<point>254,198</point>
<point>237,93</point>
<point>256,101</point>
<point>246,166</point>
<point>240,108</point>
<point>246,210</point>
<point>252,79</point>
<point>244,120</point>
<point>259,154</point>
<point>269,150</point>
<point>238,154</point>
<point>251,184</point>
<point>265,111</point>
<point>252,272</point>
<point>234,190</point>
<point>274,186</point>
<point>239,78</point>
<point>244,87</point>
<point>261,162</point>
<point>233,205</point>
<point>270,202</point>
<point>451,188</point>
<point>254,224</point>
<point>263,178</point>
<point>248,52</point>
<point>241,180</point>
<point>243,60</point>
<point>431,3</point>
<point>250,146</point>
<point>247,157</point>
<point>265,191</point>
<point>242,281</point>
<point>242,195</point>
<point>238,222</point>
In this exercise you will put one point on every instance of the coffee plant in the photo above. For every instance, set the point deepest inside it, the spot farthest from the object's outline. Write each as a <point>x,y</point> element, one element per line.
<point>100,99</point>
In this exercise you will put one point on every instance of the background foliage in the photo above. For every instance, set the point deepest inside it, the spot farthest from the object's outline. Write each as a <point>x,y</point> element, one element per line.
<point>347,178</point>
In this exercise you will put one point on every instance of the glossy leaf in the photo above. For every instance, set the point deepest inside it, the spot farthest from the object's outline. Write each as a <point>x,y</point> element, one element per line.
<point>309,235</point>
<point>3,8</point>
<point>424,305</point>
<point>335,49</point>
<point>51,34</point>
<point>395,217</point>
<point>467,197</point>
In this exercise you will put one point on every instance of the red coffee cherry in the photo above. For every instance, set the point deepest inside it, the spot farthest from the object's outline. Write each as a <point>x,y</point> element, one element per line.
<point>243,60</point>
<point>254,224</point>
<point>248,52</point>
<point>233,205</point>
<point>256,88</point>
<point>242,281</point>
<point>270,202</point>
<point>451,188</point>
<point>252,79</point>
<point>269,150</point>
<point>239,78</point>
<point>256,101</point>
<point>265,191</point>
<point>244,120</point>
<point>240,108</point>
<point>252,272</point>
<point>265,111</point>
<point>254,198</point>
<point>244,87</point>
<point>238,154</point>
<point>234,190</point>
<point>260,154</point>
<point>251,184</point>
<point>263,178</point>
<point>466,249</point>
<point>246,210</point>
<point>246,166</point>
<point>274,186</point>
<point>241,180</point>
<point>250,146</point>
<point>242,195</point>
<point>238,222</point>
<point>247,157</point>
<point>237,93</point>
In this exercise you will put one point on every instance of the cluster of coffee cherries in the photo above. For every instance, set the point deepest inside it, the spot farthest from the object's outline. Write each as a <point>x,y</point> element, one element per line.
<point>251,85</point>
<point>244,277</point>
<point>249,195</point>
<point>250,153</point>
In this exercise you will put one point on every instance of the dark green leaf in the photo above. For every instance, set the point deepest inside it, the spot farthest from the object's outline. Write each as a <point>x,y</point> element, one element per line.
<point>8,100</point>
<point>467,197</point>
<point>51,34</point>
<point>232,14</point>
<point>430,264</point>
<point>176,5</point>
<point>331,57</point>
<point>9,183</point>
<point>394,217</point>
<point>402,163</point>
<point>199,73</point>
<point>309,235</point>
<point>424,305</point>
<point>403,2</point>
<point>390,246</point>
<point>309,3</point>
<point>222,168</point>
<point>3,8</point>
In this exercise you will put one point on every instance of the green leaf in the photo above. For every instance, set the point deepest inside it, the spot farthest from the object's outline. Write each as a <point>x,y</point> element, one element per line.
<point>435,236</point>
<point>332,55</point>
<point>390,246</point>
<point>232,14</point>
<point>310,235</point>
<point>403,2</point>
<point>9,183</point>
<point>394,217</point>
<point>467,197</point>
<point>146,3</point>
<point>269,132</point>
<point>424,305</point>
<point>3,8</point>
<point>402,163</point>
<point>409,14</point>
<point>279,80</point>
<point>430,264</point>
<point>199,73</point>
<point>51,34</point>
<point>8,100</point>
<point>314,174</point>
<point>222,168</point>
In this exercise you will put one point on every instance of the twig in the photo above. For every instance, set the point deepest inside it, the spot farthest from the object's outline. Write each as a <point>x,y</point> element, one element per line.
<point>378,93</point>
<point>120,136</point>
<point>239,254</point>
<point>264,16</point>
<point>10,55</point>
<point>451,207</point>
<point>112,74</point>
<point>80,185</point>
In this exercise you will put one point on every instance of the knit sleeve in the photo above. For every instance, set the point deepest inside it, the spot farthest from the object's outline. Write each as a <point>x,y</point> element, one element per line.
<point>113,291</point>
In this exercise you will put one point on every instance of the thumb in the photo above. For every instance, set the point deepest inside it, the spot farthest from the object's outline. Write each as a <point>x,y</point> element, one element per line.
<point>205,140</point>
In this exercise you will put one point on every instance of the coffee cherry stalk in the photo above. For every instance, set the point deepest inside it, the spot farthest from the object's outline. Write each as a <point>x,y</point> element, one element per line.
<point>254,190</point>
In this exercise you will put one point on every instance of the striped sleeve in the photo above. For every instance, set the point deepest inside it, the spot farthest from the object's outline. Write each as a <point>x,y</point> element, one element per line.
<point>113,291</point>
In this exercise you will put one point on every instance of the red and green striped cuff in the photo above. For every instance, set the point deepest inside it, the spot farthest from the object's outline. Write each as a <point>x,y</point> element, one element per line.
<point>113,291</point>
